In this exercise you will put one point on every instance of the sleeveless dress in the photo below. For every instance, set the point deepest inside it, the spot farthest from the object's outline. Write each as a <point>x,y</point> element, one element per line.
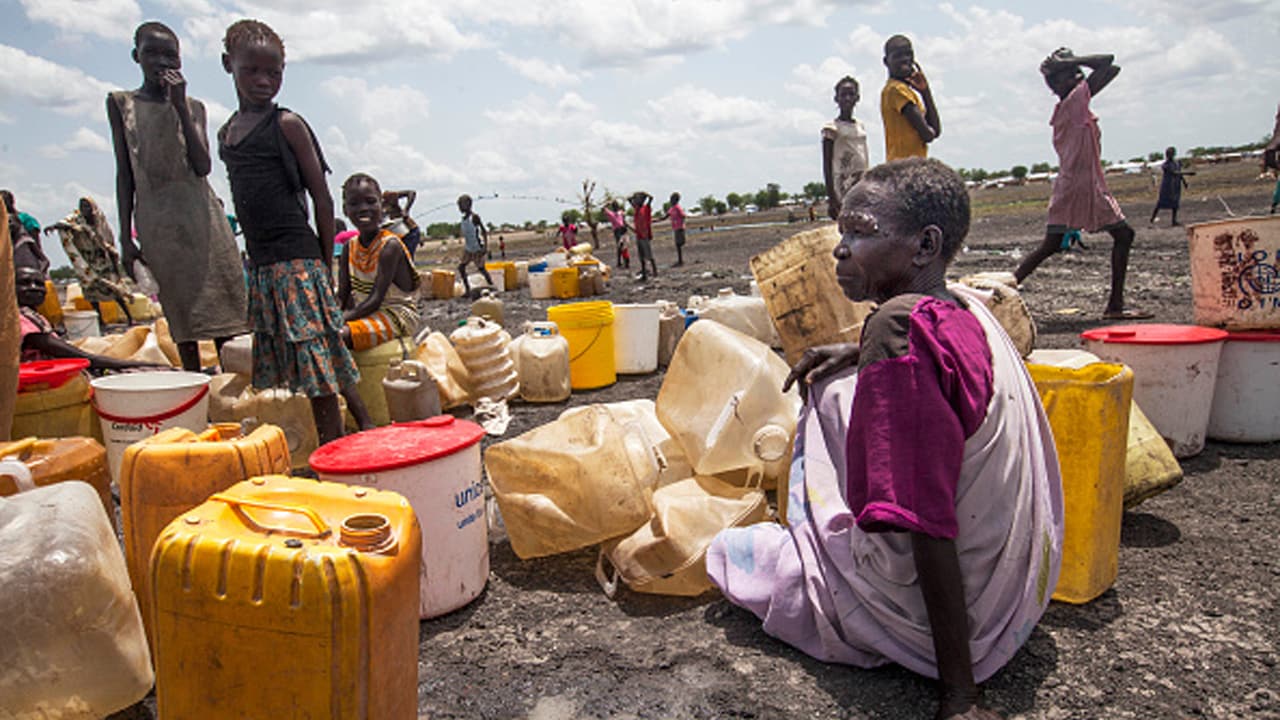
<point>398,315</point>
<point>183,231</point>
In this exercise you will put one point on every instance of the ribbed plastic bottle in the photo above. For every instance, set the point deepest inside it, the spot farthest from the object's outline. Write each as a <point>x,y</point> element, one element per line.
<point>483,350</point>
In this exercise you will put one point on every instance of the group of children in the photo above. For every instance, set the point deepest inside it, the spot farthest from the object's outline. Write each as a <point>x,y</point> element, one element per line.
<point>641,223</point>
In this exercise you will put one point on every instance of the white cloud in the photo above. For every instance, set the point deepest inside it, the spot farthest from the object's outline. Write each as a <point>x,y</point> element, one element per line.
<point>30,80</point>
<point>818,82</point>
<point>572,102</point>
<point>385,155</point>
<point>83,140</point>
<point>113,19</point>
<point>540,71</point>
<point>381,106</point>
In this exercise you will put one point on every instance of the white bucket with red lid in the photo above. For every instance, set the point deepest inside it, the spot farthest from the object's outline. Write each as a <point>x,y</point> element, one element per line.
<point>435,464</point>
<point>1246,400</point>
<point>1175,368</point>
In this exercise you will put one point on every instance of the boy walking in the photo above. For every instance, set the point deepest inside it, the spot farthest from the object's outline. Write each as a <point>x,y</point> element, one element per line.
<point>475,240</point>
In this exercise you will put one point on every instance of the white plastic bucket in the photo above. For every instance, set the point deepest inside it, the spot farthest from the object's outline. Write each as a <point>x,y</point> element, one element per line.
<point>1175,368</point>
<point>135,406</point>
<point>1246,400</point>
<point>635,338</point>
<point>435,465</point>
<point>1235,273</point>
<point>540,285</point>
<point>522,273</point>
<point>81,324</point>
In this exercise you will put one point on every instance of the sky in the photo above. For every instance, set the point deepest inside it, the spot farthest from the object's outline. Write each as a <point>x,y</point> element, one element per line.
<point>524,100</point>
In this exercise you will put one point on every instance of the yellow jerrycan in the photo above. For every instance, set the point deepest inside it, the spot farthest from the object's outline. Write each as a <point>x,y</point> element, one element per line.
<point>288,598</point>
<point>176,470</point>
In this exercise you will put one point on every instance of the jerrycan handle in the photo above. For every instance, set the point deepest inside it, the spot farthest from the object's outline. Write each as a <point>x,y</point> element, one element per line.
<point>607,583</point>
<point>411,369</point>
<point>239,505</point>
<point>18,470</point>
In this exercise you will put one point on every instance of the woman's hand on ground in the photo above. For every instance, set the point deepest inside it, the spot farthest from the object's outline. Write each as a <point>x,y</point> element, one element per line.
<point>820,362</point>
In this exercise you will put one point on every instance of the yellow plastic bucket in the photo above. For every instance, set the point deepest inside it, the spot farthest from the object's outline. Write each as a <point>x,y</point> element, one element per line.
<point>1088,409</point>
<point>64,411</point>
<point>588,326</point>
<point>50,308</point>
<point>564,283</point>
<point>508,270</point>
<point>111,312</point>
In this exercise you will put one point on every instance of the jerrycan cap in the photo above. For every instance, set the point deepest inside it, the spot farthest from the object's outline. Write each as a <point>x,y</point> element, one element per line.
<point>725,292</point>
<point>396,446</point>
<point>771,443</point>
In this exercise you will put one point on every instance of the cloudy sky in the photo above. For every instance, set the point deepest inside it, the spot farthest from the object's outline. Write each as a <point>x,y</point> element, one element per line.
<point>526,98</point>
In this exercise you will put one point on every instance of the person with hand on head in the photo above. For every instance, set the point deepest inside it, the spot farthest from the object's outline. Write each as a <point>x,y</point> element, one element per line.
<point>844,147</point>
<point>87,240</point>
<point>475,243</point>
<point>907,108</point>
<point>377,285</point>
<point>272,159</point>
<point>162,192</point>
<point>925,519</point>
<point>1080,196</point>
<point>642,220</point>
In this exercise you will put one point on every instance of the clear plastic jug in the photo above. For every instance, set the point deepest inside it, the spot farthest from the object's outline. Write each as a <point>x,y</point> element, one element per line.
<point>483,350</point>
<point>671,324</point>
<point>747,315</point>
<point>71,644</point>
<point>543,361</point>
<point>411,393</point>
<point>722,400</point>
<point>488,307</point>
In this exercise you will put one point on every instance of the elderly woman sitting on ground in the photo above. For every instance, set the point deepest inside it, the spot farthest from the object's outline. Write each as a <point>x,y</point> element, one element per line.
<point>925,516</point>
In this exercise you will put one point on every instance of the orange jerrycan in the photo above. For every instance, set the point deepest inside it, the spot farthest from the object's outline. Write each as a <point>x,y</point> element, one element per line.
<point>175,470</point>
<point>60,460</point>
<point>288,598</point>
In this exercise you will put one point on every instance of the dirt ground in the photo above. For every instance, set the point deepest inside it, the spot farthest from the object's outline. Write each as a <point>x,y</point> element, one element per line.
<point>1188,630</point>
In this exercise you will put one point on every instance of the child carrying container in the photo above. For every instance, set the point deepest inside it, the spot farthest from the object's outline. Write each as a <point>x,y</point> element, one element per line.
<point>272,157</point>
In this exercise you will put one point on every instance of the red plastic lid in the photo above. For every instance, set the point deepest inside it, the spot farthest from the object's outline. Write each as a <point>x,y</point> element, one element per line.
<point>396,446</point>
<point>1155,334</point>
<point>1253,336</point>
<point>49,374</point>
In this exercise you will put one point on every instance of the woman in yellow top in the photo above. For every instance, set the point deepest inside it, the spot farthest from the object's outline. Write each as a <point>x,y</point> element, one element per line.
<point>908,129</point>
<point>377,285</point>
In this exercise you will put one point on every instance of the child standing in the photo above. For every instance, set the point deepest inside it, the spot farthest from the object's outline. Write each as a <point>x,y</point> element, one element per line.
<point>162,162</point>
<point>568,231</point>
<point>844,148</point>
<point>475,240</point>
<point>618,221</point>
<point>1080,196</point>
<point>910,120</point>
<point>676,214</point>
<point>643,222</point>
<point>398,220</point>
<point>272,157</point>
<point>1172,180</point>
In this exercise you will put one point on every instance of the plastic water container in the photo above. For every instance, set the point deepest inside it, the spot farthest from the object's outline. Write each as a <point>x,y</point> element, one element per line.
<point>442,284</point>
<point>81,324</point>
<point>797,279</point>
<point>1174,369</point>
<point>745,314</point>
<point>233,400</point>
<point>590,280</point>
<point>481,346</point>
<point>564,283</point>
<point>1150,467</point>
<point>411,393</point>
<point>537,267</point>
<point>488,307</point>
<point>574,482</point>
<point>287,598</point>
<point>71,643</point>
<point>435,465</point>
<point>588,326</point>
<point>56,460</point>
<point>1088,409</point>
<point>539,285</point>
<point>722,400</point>
<point>1235,283</point>
<point>111,312</point>
<point>542,359</point>
<point>510,277</point>
<point>373,364</point>
<point>671,325</point>
<point>635,338</point>
<point>672,464</point>
<point>135,406</point>
<point>55,409</point>
<point>51,309</point>
<point>1246,397</point>
<point>164,476</point>
<point>498,285</point>
<point>236,355</point>
<point>522,273</point>
<point>557,259</point>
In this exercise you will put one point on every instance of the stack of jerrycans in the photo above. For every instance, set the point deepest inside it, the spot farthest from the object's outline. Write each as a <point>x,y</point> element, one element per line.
<point>166,475</point>
<point>288,598</point>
